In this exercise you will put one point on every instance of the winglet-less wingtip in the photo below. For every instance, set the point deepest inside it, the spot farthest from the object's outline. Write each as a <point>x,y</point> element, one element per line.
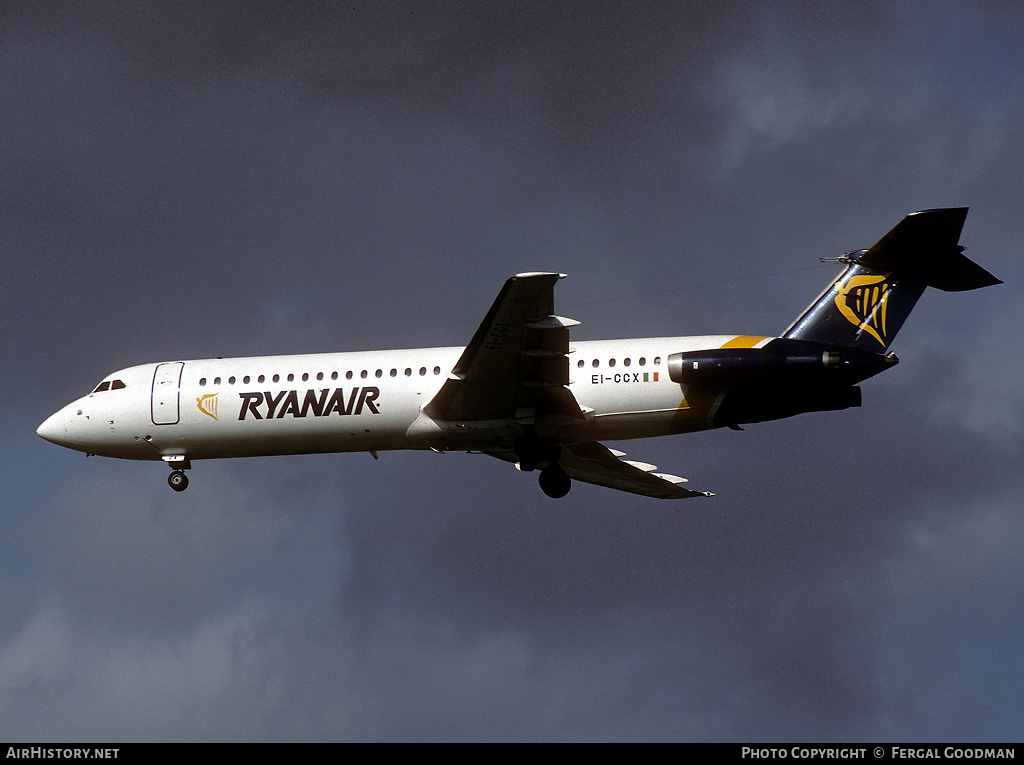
<point>527,274</point>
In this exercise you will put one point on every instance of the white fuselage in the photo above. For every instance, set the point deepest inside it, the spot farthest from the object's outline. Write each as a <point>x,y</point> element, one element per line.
<point>363,401</point>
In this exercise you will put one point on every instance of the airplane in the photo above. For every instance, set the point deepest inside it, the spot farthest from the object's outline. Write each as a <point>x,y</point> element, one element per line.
<point>521,390</point>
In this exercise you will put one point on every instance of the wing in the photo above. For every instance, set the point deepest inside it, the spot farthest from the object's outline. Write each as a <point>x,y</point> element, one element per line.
<point>517,363</point>
<point>592,462</point>
<point>595,463</point>
<point>516,367</point>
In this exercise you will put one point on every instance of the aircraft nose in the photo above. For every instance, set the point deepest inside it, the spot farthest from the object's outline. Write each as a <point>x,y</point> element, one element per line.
<point>54,429</point>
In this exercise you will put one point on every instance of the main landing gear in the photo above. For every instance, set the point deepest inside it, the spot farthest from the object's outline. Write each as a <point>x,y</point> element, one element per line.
<point>554,481</point>
<point>532,451</point>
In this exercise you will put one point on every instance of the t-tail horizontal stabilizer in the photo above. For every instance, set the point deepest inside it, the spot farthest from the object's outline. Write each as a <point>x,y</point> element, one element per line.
<point>868,303</point>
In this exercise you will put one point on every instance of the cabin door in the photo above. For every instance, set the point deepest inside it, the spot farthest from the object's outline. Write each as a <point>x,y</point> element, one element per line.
<point>166,381</point>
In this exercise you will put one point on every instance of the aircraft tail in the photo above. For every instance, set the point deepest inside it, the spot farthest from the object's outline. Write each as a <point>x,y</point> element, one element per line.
<point>867,304</point>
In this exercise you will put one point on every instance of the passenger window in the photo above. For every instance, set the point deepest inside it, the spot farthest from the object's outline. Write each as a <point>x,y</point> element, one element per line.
<point>595,363</point>
<point>277,378</point>
<point>611,362</point>
<point>423,371</point>
<point>625,362</point>
<point>642,361</point>
<point>348,375</point>
<point>580,363</point>
<point>437,370</point>
<point>408,372</point>
<point>202,382</point>
<point>657,360</point>
<point>394,373</point>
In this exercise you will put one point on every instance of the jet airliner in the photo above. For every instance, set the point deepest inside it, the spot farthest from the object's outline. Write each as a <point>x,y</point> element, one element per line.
<point>521,390</point>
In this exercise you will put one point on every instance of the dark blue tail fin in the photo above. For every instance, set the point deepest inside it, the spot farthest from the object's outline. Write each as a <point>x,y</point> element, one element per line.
<point>866,306</point>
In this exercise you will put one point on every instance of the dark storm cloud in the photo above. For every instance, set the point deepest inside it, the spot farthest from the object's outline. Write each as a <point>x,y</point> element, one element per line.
<point>223,179</point>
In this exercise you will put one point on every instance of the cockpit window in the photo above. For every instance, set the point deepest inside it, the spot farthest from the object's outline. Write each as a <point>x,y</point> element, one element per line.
<point>109,385</point>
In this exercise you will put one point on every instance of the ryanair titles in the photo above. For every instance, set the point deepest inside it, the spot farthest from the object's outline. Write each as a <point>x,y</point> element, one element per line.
<point>316,403</point>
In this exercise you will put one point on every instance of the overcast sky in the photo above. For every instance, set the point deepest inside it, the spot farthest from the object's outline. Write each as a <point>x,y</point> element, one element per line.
<point>187,180</point>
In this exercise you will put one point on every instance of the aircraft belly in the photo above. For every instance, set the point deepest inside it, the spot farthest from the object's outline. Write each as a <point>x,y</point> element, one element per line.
<point>305,438</point>
<point>664,422</point>
<point>271,445</point>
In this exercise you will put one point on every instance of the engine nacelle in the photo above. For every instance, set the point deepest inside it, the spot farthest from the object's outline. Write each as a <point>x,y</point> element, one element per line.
<point>781,361</point>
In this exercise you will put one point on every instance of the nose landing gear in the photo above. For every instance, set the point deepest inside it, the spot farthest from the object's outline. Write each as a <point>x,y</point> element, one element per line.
<point>177,480</point>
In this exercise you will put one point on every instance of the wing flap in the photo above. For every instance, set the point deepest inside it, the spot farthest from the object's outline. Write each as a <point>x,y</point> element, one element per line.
<point>670,478</point>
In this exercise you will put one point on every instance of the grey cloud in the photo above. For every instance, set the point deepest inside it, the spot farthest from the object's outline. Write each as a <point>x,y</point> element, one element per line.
<point>190,180</point>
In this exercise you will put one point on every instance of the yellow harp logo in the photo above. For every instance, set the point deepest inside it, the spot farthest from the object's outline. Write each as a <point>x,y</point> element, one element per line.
<point>863,301</point>
<point>208,405</point>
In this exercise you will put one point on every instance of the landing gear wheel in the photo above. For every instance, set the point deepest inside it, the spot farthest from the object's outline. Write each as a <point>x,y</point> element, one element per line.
<point>555,482</point>
<point>177,480</point>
